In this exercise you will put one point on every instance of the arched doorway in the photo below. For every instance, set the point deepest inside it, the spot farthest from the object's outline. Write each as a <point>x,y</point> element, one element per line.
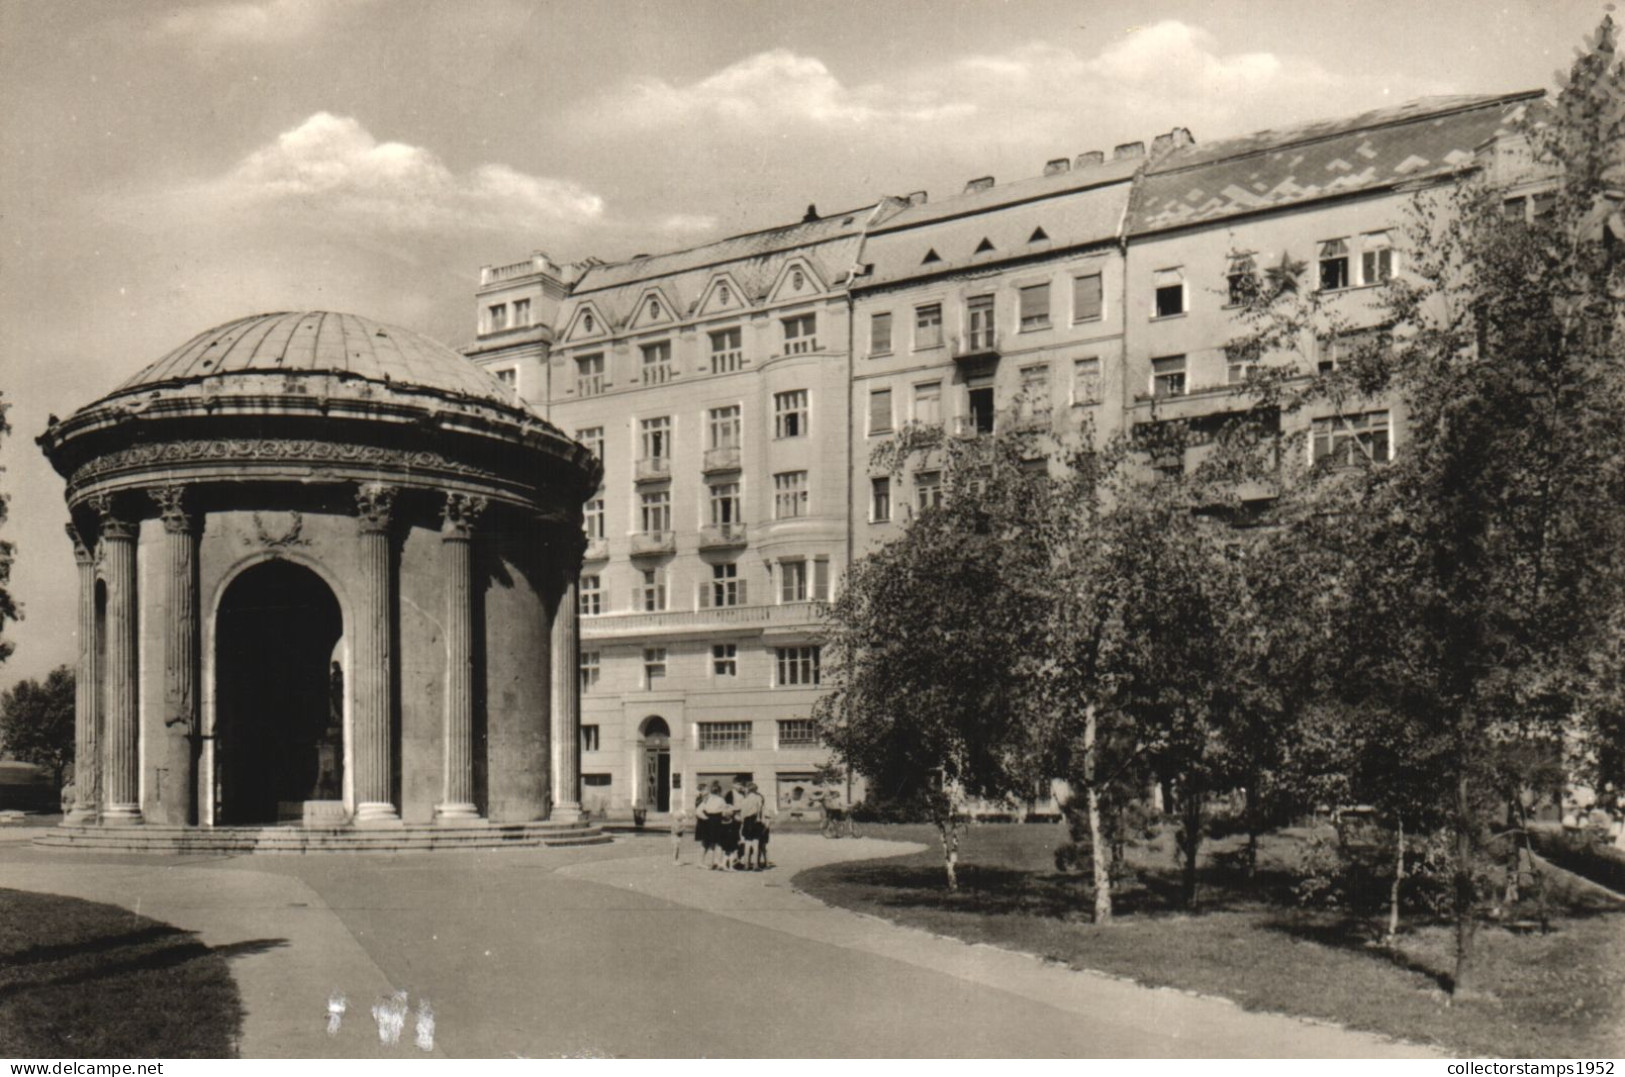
<point>278,729</point>
<point>656,741</point>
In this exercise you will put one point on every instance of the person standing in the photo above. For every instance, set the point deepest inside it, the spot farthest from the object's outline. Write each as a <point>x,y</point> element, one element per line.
<point>710,816</point>
<point>753,828</point>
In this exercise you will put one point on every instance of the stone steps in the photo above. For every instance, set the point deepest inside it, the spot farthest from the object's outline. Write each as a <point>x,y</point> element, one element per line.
<point>285,839</point>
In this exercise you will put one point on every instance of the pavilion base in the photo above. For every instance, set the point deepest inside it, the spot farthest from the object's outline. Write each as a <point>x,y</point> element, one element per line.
<point>401,838</point>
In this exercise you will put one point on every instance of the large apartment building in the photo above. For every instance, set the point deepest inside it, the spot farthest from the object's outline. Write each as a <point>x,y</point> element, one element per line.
<point>735,392</point>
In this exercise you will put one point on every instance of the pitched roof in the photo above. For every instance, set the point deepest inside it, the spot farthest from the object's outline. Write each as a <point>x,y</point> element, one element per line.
<point>1428,138</point>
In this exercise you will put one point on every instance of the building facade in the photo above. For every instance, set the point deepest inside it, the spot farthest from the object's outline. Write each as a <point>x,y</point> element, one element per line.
<point>736,392</point>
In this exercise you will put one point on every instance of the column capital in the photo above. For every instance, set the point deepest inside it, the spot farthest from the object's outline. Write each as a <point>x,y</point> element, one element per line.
<point>114,525</point>
<point>83,552</point>
<point>171,508</point>
<point>374,502</point>
<point>460,514</point>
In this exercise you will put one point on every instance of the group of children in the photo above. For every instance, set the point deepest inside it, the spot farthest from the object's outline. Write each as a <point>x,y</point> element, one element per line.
<point>732,828</point>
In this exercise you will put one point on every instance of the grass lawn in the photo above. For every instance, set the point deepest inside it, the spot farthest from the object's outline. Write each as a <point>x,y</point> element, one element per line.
<point>1555,995</point>
<point>81,979</point>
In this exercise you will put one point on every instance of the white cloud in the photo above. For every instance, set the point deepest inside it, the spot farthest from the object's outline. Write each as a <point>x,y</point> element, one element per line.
<point>687,224</point>
<point>211,25</point>
<point>1036,95</point>
<point>333,167</point>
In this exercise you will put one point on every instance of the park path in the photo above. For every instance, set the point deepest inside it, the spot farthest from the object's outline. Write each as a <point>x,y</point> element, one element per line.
<point>616,951</point>
<point>1123,1019</point>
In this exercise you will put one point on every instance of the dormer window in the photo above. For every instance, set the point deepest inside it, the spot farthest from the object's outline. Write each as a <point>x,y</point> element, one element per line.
<point>798,280</point>
<point>1039,235</point>
<point>587,323</point>
<point>654,308</point>
<point>985,246</point>
<point>723,294</point>
<point>930,256</point>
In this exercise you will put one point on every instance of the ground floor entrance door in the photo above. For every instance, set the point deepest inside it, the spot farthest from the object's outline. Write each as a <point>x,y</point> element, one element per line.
<point>656,739</point>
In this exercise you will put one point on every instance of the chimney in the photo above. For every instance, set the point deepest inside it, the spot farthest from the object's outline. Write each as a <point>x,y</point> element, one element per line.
<point>1093,157</point>
<point>1176,139</point>
<point>917,198</point>
<point>1059,164</point>
<point>811,214</point>
<point>1127,150</point>
<point>981,183</point>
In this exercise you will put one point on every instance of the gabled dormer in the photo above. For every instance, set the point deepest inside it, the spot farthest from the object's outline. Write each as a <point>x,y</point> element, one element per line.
<point>722,295</point>
<point>587,323</point>
<point>652,310</point>
<point>796,281</point>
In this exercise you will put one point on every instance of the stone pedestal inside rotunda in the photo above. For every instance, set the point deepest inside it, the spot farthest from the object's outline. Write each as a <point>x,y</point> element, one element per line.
<point>326,575</point>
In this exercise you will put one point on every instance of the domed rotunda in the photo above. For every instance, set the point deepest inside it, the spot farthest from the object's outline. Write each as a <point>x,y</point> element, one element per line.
<point>327,587</point>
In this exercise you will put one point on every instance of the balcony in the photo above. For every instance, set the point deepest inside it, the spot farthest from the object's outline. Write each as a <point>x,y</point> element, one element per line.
<point>970,426</point>
<point>651,543</point>
<point>976,345</point>
<point>653,469</point>
<point>722,536</point>
<point>723,459</point>
<point>1024,418</point>
<point>796,618</point>
<point>597,550</point>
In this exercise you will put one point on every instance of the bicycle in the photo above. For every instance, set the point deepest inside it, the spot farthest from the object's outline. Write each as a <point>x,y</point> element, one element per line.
<point>839,824</point>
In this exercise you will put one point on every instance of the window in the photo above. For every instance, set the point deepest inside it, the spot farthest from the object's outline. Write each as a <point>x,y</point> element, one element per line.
<point>928,326</point>
<point>654,308</point>
<point>798,733</point>
<point>928,489</point>
<point>790,414</point>
<point>727,351</point>
<point>590,379</point>
<point>723,736</point>
<point>1238,369</point>
<point>928,402</point>
<point>657,368</point>
<point>603,781</point>
<point>1350,440</point>
<point>880,499</point>
<point>592,519</point>
<point>979,319</point>
<point>650,595</point>
<point>797,666</point>
<point>979,401</point>
<point>655,437</point>
<point>801,334</point>
<point>1170,293</point>
<point>789,495</point>
<point>1035,307</point>
<point>725,588</point>
<point>589,738</point>
<point>499,316</point>
<point>1088,298</point>
<point>590,596</point>
<point>521,313</point>
<point>725,659</point>
<point>1376,259</point>
<point>656,511</point>
<point>654,666</point>
<point>1086,381</point>
<point>880,334</point>
<point>820,580</point>
<point>590,669</point>
<point>1241,281</point>
<point>1035,389</point>
<point>723,427</point>
<point>792,581</point>
<point>1168,376</point>
<point>725,504</point>
<point>1334,265</point>
<point>593,438</point>
<point>880,411</point>
<point>509,376</point>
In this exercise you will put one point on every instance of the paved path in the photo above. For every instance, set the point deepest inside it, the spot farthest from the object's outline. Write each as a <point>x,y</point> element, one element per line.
<point>615,951</point>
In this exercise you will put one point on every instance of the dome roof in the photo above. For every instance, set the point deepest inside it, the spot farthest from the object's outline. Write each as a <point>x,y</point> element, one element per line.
<point>321,342</point>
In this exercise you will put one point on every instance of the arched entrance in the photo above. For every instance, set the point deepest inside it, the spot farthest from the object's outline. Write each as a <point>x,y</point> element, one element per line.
<point>279,696</point>
<point>656,741</point>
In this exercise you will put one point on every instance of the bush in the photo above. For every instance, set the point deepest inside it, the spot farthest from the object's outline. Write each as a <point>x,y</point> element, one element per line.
<point>889,811</point>
<point>1583,855</point>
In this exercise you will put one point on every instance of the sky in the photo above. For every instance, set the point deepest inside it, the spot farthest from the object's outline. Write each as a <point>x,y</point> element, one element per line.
<point>166,166</point>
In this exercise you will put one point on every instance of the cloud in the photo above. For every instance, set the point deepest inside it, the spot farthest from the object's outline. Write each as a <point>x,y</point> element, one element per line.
<point>331,168</point>
<point>237,22</point>
<point>1037,94</point>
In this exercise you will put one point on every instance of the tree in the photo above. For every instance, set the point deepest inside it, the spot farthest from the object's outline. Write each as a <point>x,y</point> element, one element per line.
<point>8,607</point>
<point>924,646</point>
<point>36,721</point>
<point>1487,558</point>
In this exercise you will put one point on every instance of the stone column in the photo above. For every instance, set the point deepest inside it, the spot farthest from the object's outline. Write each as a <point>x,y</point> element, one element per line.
<point>567,687</point>
<point>457,776</point>
<point>87,764</point>
<point>121,805</point>
<point>373,713</point>
<point>180,644</point>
